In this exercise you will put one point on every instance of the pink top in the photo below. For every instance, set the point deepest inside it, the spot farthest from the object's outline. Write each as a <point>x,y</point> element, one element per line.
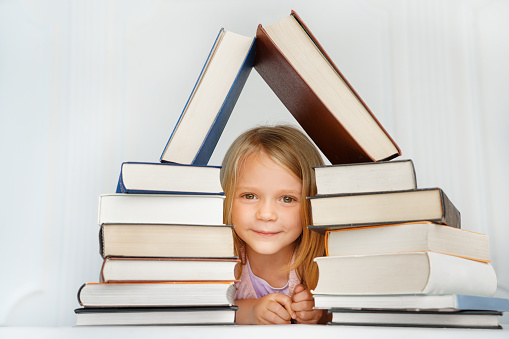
<point>253,287</point>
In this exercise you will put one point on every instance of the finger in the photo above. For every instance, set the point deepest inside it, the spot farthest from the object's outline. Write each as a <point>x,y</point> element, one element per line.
<point>277,314</point>
<point>308,317</point>
<point>304,295</point>
<point>286,302</point>
<point>298,288</point>
<point>306,305</point>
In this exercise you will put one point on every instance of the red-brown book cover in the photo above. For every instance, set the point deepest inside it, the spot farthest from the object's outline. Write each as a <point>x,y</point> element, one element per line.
<point>316,119</point>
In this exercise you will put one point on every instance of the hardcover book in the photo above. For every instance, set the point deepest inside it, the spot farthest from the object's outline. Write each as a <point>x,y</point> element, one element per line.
<point>161,294</point>
<point>117,269</point>
<point>409,237</point>
<point>405,273</point>
<point>222,315</point>
<point>212,100</point>
<point>396,175</point>
<point>160,209</point>
<point>296,67</point>
<point>170,241</point>
<point>429,302</point>
<point>338,211</point>
<point>460,319</point>
<point>166,178</point>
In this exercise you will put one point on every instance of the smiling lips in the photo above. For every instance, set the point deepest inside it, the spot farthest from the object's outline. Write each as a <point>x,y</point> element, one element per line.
<point>266,234</point>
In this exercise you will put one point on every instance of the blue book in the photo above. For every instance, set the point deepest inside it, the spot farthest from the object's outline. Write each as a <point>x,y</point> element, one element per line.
<point>429,302</point>
<point>212,100</point>
<point>166,178</point>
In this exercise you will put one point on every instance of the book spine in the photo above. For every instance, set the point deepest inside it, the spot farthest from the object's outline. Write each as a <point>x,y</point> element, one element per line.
<point>453,275</point>
<point>451,214</point>
<point>101,241</point>
<point>210,141</point>
<point>79,294</point>
<point>120,185</point>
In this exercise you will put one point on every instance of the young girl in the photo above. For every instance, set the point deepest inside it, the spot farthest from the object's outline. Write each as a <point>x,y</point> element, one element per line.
<point>267,175</point>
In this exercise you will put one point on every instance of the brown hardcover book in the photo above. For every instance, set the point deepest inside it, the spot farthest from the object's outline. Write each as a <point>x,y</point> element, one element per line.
<point>338,211</point>
<point>305,79</point>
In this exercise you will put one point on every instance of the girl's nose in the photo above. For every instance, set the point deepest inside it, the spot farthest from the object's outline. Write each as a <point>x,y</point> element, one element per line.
<point>267,211</point>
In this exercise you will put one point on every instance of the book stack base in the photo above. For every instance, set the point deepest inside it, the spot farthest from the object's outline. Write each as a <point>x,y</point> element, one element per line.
<point>168,259</point>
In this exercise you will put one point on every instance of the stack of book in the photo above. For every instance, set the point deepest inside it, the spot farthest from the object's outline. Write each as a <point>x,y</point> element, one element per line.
<point>396,254</point>
<point>168,259</point>
<point>167,256</point>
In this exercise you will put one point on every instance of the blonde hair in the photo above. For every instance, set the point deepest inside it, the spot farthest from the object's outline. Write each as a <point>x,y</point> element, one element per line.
<point>291,149</point>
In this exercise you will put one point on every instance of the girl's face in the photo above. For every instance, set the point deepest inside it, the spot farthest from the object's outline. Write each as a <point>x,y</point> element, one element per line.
<point>267,206</point>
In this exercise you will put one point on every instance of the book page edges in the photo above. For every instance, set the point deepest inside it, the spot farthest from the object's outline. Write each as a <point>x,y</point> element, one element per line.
<point>308,31</point>
<point>195,87</point>
<point>214,133</point>
<point>265,45</point>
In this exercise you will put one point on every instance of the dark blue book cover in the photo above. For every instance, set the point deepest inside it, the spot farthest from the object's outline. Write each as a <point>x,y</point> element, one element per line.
<point>214,133</point>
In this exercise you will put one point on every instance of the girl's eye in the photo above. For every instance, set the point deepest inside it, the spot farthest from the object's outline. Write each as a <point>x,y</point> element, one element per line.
<point>287,199</point>
<point>249,196</point>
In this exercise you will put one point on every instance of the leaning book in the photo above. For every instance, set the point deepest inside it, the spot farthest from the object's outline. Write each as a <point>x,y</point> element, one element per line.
<point>212,100</point>
<point>302,75</point>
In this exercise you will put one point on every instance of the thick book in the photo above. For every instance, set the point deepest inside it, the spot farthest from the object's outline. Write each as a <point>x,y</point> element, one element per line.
<point>338,211</point>
<point>170,241</point>
<point>297,69</point>
<point>117,269</point>
<point>221,315</point>
<point>405,273</point>
<point>428,302</point>
<point>396,175</point>
<point>190,209</point>
<point>166,178</point>
<point>409,237</point>
<point>460,319</point>
<point>212,100</point>
<point>162,294</point>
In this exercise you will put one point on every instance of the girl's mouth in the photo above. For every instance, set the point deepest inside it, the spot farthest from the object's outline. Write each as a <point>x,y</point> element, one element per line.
<point>266,234</point>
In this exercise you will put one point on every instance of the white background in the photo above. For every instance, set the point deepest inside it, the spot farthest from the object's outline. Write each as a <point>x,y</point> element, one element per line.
<point>86,85</point>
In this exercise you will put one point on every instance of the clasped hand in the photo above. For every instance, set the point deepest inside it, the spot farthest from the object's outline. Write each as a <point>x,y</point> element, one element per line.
<point>277,308</point>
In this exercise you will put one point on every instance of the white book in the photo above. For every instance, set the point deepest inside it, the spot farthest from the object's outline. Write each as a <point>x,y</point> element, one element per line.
<point>379,176</point>
<point>405,273</point>
<point>155,316</point>
<point>412,302</point>
<point>162,294</point>
<point>160,209</point>
<point>409,237</point>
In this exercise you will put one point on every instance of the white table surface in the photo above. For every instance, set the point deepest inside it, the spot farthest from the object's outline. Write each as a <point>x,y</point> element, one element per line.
<point>246,332</point>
